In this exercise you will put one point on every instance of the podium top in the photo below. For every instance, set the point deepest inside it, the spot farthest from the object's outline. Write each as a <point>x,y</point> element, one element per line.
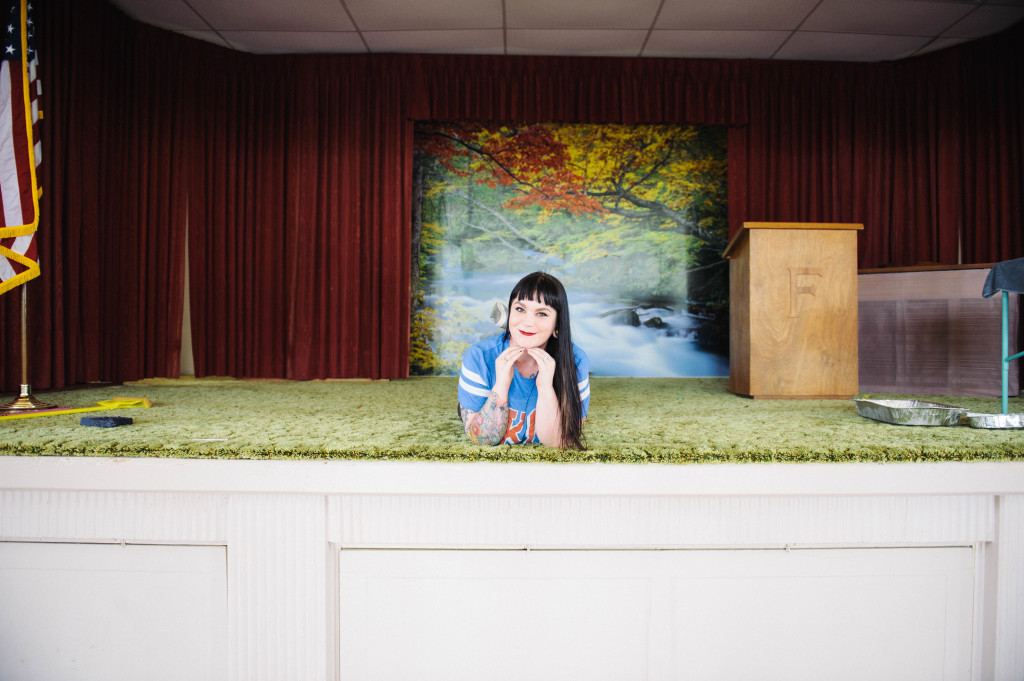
<point>786,225</point>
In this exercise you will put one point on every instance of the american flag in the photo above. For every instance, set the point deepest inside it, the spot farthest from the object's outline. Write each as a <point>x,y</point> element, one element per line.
<point>19,147</point>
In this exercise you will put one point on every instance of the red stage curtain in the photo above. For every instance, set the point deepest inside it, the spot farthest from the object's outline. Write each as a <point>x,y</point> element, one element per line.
<point>990,132</point>
<point>301,188</point>
<point>295,172</point>
<point>299,219</point>
<point>107,305</point>
<point>579,90</point>
<point>926,152</point>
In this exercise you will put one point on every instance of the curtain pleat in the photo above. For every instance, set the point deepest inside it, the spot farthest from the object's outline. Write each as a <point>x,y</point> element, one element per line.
<point>299,240</point>
<point>107,305</point>
<point>990,165</point>
<point>292,176</point>
<point>573,89</point>
<point>237,244</point>
<point>906,148</point>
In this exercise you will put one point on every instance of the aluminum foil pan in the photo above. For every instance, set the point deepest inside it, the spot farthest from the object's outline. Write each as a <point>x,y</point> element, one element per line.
<point>910,412</point>
<point>995,420</point>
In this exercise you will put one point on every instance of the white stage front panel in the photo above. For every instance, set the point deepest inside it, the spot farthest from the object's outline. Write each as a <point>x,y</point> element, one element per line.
<point>899,614</point>
<point>107,612</point>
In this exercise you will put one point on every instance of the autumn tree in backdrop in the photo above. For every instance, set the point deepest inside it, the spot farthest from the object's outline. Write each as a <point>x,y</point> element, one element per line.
<point>636,210</point>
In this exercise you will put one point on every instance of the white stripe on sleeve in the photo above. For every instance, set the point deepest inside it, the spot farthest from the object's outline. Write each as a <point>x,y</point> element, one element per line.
<point>584,387</point>
<point>473,376</point>
<point>473,390</point>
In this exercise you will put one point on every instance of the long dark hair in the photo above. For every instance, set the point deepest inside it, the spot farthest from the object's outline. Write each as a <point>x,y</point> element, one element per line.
<point>541,287</point>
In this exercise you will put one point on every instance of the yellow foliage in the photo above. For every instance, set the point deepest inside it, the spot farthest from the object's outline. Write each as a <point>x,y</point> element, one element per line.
<point>422,360</point>
<point>440,337</point>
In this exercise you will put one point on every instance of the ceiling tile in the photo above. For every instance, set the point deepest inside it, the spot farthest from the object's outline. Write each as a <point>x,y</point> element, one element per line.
<point>940,44</point>
<point>778,15</point>
<point>208,36</point>
<point>714,44</point>
<point>849,47</point>
<point>611,14</point>
<point>295,42</point>
<point>584,43</point>
<point>172,14</point>
<point>587,26</point>
<point>984,21</point>
<point>886,17</point>
<point>274,15</point>
<point>403,15</point>
<point>437,42</point>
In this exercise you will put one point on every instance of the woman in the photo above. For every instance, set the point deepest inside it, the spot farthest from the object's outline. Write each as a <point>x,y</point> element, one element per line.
<point>529,384</point>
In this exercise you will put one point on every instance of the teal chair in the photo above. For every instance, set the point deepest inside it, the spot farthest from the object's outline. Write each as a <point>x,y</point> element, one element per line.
<point>1007,277</point>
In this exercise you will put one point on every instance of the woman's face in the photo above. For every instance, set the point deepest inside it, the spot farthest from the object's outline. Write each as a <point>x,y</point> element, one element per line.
<point>531,323</point>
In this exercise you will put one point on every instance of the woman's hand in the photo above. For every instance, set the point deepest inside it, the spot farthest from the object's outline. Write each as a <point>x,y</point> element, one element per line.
<point>549,419</point>
<point>504,365</point>
<point>487,426</point>
<point>545,367</point>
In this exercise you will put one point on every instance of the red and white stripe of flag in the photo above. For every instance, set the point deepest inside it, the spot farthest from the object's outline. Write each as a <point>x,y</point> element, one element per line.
<point>20,155</point>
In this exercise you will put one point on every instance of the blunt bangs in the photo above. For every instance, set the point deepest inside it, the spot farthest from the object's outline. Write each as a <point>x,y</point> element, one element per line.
<point>542,288</point>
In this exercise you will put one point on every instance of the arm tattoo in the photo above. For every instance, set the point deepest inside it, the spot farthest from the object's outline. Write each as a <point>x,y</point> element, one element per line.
<point>487,426</point>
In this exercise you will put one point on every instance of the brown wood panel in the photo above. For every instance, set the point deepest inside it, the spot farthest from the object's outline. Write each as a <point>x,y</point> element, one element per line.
<point>932,332</point>
<point>739,320</point>
<point>802,225</point>
<point>741,234</point>
<point>794,311</point>
<point>923,268</point>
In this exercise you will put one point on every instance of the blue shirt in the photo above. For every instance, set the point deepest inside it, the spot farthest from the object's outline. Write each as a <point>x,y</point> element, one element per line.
<point>477,378</point>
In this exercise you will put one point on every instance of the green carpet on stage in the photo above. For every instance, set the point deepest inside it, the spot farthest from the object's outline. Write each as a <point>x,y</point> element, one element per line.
<point>632,420</point>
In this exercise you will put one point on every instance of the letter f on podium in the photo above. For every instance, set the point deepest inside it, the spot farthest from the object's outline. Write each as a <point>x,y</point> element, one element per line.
<point>799,286</point>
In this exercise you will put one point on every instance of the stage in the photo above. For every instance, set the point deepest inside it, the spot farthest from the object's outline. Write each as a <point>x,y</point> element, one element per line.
<point>344,530</point>
<point>631,420</point>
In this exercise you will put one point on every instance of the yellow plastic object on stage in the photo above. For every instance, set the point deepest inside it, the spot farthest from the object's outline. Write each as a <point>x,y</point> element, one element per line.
<point>104,405</point>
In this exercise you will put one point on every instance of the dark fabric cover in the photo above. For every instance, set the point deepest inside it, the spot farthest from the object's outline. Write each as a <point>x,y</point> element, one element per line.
<point>106,421</point>
<point>1005,276</point>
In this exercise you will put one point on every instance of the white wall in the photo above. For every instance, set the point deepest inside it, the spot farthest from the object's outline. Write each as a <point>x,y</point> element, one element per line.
<point>899,614</point>
<point>373,570</point>
<point>105,611</point>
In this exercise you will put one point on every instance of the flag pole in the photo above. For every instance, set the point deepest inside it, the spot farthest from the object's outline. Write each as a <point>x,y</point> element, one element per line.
<point>25,401</point>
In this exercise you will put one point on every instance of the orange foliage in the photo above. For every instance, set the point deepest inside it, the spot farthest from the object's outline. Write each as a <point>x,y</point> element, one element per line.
<point>528,159</point>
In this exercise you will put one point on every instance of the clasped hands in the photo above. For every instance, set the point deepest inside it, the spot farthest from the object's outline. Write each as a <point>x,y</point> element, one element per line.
<point>506,361</point>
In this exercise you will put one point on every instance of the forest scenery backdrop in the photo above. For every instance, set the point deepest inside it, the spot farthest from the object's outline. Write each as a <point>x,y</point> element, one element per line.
<point>631,218</point>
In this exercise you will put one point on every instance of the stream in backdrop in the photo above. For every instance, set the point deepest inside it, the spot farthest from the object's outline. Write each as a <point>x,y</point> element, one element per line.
<point>621,336</point>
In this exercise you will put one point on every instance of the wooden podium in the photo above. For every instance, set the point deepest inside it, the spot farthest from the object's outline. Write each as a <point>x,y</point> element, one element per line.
<point>793,310</point>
